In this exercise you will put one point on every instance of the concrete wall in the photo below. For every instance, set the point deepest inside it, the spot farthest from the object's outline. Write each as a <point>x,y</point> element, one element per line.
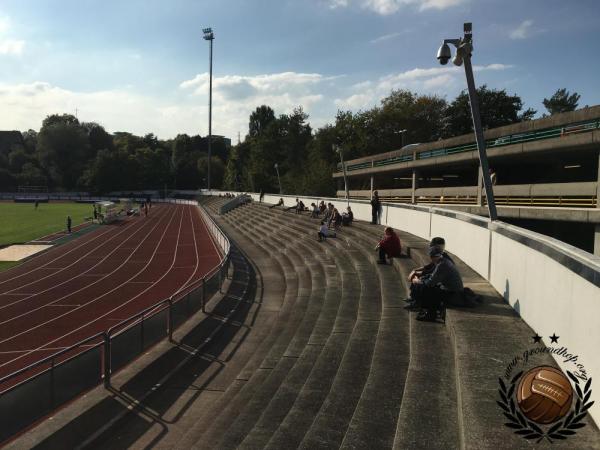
<point>553,286</point>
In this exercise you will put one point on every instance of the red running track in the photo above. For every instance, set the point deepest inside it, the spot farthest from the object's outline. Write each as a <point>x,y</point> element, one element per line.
<point>92,283</point>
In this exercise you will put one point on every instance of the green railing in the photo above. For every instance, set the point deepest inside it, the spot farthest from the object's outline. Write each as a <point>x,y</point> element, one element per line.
<point>490,143</point>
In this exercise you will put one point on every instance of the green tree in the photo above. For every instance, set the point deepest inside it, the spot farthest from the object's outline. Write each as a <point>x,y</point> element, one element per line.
<point>561,101</point>
<point>217,170</point>
<point>496,106</point>
<point>260,120</point>
<point>62,149</point>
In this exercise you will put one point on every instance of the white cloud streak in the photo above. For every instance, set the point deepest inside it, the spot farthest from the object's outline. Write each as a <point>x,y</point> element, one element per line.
<point>426,81</point>
<point>388,7</point>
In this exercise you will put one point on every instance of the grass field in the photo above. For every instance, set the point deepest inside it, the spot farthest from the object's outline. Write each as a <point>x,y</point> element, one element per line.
<point>20,222</point>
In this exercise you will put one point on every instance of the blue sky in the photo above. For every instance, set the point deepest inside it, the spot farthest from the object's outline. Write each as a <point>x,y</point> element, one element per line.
<point>141,66</point>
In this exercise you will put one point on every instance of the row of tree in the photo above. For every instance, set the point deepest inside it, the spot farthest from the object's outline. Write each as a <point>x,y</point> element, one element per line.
<point>306,160</point>
<point>70,155</point>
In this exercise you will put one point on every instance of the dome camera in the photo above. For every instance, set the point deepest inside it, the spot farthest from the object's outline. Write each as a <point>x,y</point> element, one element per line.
<point>444,54</point>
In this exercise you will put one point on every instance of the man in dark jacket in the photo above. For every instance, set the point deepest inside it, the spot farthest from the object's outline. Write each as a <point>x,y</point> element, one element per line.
<point>425,270</point>
<point>375,208</point>
<point>389,245</point>
<point>444,282</point>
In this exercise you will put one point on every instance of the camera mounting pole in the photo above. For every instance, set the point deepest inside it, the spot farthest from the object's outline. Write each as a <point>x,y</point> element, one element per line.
<point>464,48</point>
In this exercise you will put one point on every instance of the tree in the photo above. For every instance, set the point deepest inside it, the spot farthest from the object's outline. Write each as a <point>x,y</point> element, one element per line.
<point>62,149</point>
<point>65,119</point>
<point>496,106</point>
<point>561,101</point>
<point>217,170</point>
<point>260,120</point>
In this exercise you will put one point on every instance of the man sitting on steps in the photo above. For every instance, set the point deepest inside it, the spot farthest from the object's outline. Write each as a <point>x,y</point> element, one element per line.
<point>429,291</point>
<point>427,269</point>
<point>389,245</point>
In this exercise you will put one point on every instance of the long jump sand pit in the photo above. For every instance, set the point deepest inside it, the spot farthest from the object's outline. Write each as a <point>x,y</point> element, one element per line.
<point>19,252</point>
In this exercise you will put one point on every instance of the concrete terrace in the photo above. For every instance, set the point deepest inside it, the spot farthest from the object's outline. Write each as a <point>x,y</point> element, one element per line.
<point>320,354</point>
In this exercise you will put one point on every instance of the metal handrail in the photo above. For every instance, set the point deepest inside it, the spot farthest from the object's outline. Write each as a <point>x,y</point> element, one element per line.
<point>46,359</point>
<point>515,138</point>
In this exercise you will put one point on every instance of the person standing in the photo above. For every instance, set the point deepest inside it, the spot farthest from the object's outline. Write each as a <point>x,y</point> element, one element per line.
<point>69,222</point>
<point>375,208</point>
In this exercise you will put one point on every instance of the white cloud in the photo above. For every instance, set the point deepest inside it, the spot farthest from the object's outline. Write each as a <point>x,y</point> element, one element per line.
<point>522,31</point>
<point>385,37</point>
<point>11,46</point>
<point>433,80</point>
<point>387,7</point>
<point>234,98</point>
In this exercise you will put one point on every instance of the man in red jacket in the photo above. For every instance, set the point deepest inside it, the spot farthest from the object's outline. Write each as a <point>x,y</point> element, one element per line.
<point>389,245</point>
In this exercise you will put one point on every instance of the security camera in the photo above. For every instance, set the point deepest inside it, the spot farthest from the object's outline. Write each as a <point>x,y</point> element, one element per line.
<point>444,54</point>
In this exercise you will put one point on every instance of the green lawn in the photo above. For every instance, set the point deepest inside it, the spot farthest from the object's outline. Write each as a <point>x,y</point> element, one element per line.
<point>20,222</point>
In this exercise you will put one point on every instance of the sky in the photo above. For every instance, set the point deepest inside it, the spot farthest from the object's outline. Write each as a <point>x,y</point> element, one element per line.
<point>142,65</point>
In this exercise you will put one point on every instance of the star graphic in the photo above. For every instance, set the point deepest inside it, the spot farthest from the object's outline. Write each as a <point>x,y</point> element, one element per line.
<point>554,338</point>
<point>536,339</point>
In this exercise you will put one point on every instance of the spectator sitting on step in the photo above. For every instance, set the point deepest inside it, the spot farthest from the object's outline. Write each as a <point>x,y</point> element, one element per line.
<point>348,217</point>
<point>336,219</point>
<point>322,207</point>
<point>428,268</point>
<point>293,206</point>
<point>441,285</point>
<point>300,207</point>
<point>314,213</point>
<point>389,245</point>
<point>279,203</point>
<point>323,231</point>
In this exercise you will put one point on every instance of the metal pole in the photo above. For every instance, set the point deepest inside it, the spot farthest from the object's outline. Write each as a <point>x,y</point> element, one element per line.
<point>339,150</point>
<point>278,179</point>
<point>487,181</point>
<point>209,116</point>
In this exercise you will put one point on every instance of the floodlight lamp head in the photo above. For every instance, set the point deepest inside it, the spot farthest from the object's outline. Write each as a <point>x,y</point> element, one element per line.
<point>444,54</point>
<point>208,34</point>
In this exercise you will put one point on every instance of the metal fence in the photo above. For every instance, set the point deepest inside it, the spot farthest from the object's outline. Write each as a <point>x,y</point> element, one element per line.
<point>33,392</point>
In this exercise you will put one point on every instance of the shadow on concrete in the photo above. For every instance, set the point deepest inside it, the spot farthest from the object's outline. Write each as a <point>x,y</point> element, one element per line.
<point>141,402</point>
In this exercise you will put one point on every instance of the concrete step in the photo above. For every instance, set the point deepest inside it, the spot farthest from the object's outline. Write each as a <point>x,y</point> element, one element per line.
<point>263,397</point>
<point>298,283</point>
<point>287,393</point>
<point>275,304</point>
<point>340,408</point>
<point>307,397</point>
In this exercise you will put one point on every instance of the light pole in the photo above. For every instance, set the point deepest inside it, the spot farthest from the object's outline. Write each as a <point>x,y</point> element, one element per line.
<point>278,179</point>
<point>338,149</point>
<point>464,48</point>
<point>401,133</point>
<point>209,36</point>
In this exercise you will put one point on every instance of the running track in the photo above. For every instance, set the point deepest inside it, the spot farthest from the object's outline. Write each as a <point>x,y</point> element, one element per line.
<point>90,284</point>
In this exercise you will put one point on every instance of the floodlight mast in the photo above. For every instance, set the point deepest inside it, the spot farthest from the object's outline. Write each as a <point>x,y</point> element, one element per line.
<point>464,48</point>
<point>209,36</point>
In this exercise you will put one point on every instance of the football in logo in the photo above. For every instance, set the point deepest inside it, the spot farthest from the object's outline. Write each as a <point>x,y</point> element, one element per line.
<point>544,394</point>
